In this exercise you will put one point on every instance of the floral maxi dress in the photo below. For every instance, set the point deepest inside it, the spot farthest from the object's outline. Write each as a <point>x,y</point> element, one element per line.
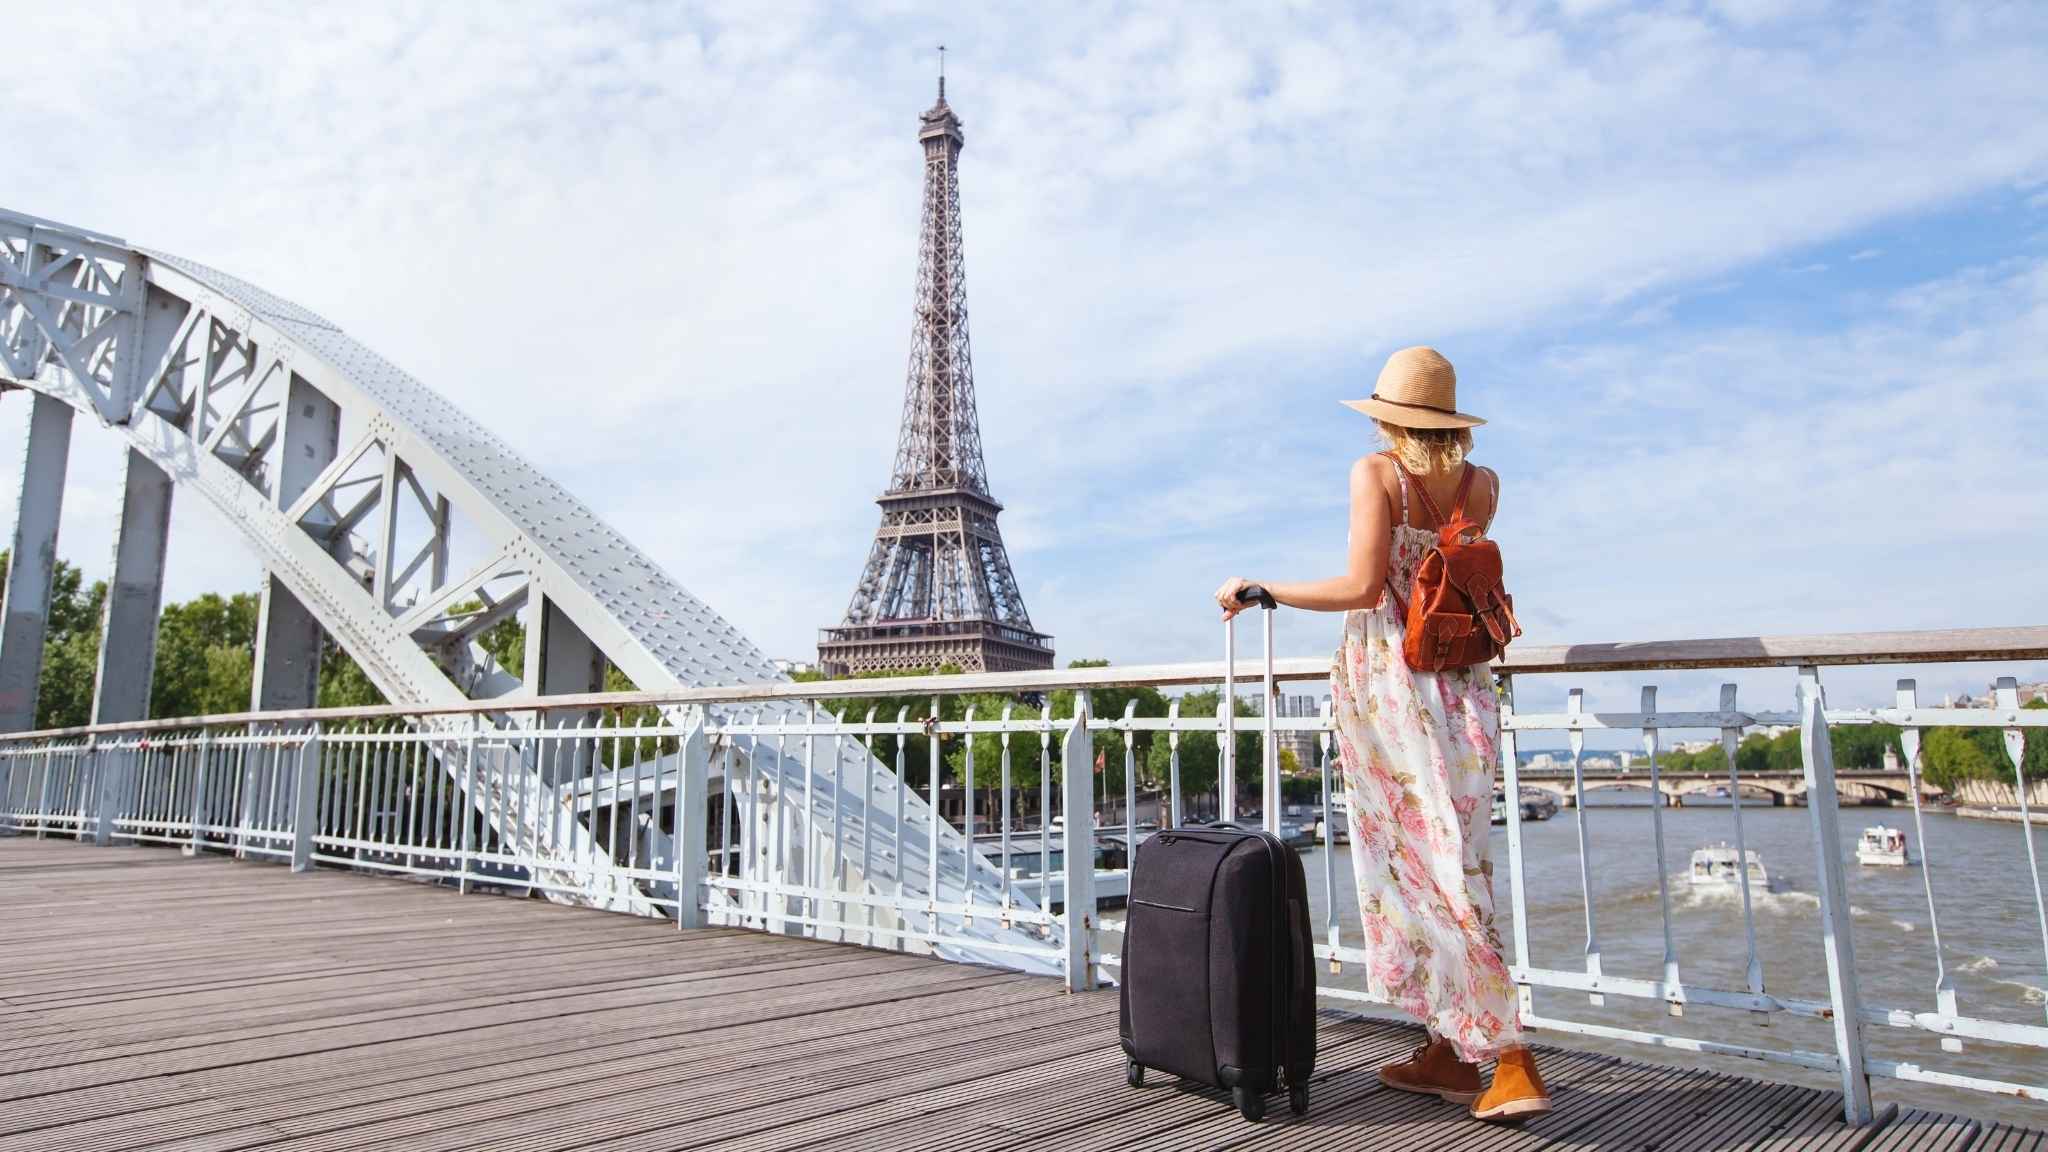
<point>1417,751</point>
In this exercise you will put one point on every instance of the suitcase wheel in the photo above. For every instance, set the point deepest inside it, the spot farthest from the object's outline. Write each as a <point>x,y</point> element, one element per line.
<point>1250,1104</point>
<point>1297,1099</point>
<point>1134,1074</point>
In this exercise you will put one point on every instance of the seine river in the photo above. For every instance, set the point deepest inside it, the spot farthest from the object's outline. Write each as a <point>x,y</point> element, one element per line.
<point>1990,937</point>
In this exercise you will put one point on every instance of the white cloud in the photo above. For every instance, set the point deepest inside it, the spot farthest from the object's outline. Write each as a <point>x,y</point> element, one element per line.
<point>669,256</point>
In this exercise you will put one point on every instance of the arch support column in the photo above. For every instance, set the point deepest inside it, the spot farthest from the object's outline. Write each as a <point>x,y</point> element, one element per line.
<point>561,660</point>
<point>287,634</point>
<point>25,609</point>
<point>128,621</point>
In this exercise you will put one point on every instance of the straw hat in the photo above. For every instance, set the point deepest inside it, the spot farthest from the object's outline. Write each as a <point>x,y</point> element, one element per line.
<point>1417,389</point>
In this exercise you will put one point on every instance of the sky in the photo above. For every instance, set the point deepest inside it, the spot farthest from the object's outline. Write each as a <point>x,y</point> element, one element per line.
<point>1753,293</point>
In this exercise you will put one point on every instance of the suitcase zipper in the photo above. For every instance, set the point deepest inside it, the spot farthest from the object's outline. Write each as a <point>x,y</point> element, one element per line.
<point>1168,907</point>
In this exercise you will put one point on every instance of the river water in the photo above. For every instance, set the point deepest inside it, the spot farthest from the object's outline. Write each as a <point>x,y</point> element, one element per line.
<point>1990,937</point>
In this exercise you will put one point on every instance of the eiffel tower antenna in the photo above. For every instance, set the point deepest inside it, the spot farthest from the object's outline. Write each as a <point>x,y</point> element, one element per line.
<point>937,589</point>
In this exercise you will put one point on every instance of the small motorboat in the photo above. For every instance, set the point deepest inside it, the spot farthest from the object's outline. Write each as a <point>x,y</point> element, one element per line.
<point>1338,825</point>
<point>1295,834</point>
<point>1882,845</point>
<point>1536,804</point>
<point>1719,867</point>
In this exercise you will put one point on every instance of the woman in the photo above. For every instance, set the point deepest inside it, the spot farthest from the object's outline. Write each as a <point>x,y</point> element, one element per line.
<point>1418,750</point>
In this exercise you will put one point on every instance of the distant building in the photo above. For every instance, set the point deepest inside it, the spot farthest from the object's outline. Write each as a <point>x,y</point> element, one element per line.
<point>794,667</point>
<point>2027,692</point>
<point>1302,744</point>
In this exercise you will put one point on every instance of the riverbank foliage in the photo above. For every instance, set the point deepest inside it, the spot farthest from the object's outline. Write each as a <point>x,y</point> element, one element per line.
<point>1948,756</point>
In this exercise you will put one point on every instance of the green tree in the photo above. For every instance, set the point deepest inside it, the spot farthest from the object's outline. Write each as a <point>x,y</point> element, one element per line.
<point>205,656</point>
<point>1952,755</point>
<point>1753,755</point>
<point>71,650</point>
<point>2035,763</point>
<point>1862,746</point>
<point>988,747</point>
<point>71,647</point>
<point>1783,754</point>
<point>343,683</point>
<point>1201,759</point>
<point>1108,703</point>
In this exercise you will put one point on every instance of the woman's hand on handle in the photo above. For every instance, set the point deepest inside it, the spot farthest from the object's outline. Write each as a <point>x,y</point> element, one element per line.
<point>1226,596</point>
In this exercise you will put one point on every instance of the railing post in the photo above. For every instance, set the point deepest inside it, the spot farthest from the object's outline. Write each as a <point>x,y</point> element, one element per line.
<point>1518,887</point>
<point>1077,800</point>
<point>90,789</point>
<point>199,772</point>
<point>244,788</point>
<point>693,785</point>
<point>468,805</point>
<point>306,801</point>
<point>110,772</point>
<point>1837,941</point>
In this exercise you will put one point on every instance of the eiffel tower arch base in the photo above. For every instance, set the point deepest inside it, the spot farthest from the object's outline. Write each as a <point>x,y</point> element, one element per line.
<point>908,647</point>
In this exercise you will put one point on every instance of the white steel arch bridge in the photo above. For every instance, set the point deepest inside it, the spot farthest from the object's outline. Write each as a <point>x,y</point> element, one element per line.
<point>388,519</point>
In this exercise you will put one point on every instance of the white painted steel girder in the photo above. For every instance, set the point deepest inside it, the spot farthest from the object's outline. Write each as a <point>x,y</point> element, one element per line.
<point>197,368</point>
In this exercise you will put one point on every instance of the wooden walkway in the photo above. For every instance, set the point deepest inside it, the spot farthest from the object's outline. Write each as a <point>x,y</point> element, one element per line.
<point>150,1001</point>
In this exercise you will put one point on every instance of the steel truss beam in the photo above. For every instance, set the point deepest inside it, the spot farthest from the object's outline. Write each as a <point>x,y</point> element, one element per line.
<point>236,394</point>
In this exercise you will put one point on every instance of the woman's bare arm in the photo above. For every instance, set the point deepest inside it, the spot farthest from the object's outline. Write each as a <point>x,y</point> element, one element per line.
<point>1366,560</point>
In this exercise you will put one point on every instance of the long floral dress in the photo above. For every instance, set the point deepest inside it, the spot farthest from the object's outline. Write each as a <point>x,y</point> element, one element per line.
<point>1418,750</point>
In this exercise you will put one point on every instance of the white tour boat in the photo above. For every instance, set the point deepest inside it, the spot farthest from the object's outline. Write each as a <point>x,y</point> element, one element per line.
<point>1715,867</point>
<point>1882,844</point>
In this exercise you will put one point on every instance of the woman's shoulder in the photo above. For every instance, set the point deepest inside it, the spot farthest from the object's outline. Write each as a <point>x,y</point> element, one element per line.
<point>1486,493</point>
<point>1373,473</point>
<point>1376,466</point>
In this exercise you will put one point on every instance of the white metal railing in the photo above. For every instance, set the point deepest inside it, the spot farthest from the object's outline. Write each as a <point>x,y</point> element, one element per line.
<point>812,820</point>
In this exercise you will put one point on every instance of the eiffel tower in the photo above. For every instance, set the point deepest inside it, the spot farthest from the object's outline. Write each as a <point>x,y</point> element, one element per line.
<point>937,589</point>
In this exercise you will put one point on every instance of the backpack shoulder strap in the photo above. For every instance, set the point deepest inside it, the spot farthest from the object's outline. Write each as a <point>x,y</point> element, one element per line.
<point>1464,494</point>
<point>1436,516</point>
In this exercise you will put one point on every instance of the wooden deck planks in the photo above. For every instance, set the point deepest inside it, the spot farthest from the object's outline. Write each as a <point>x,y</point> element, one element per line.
<point>154,1001</point>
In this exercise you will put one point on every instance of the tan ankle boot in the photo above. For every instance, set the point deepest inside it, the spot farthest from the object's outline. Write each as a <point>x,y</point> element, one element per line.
<point>1434,1069</point>
<point>1516,1090</point>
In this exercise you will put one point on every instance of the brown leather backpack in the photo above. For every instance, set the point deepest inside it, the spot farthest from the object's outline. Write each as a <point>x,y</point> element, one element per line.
<point>1457,612</point>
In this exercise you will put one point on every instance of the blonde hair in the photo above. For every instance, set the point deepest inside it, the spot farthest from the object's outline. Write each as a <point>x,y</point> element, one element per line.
<point>1427,451</point>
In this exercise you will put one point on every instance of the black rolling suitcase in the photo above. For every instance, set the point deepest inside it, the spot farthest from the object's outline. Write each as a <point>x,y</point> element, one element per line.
<point>1218,979</point>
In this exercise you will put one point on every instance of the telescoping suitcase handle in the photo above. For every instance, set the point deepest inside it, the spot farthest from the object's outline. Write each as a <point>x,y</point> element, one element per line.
<point>1257,594</point>
<point>1268,751</point>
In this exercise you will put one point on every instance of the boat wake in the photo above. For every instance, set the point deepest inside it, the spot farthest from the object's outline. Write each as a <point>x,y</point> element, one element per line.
<point>1981,965</point>
<point>2028,993</point>
<point>1777,903</point>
